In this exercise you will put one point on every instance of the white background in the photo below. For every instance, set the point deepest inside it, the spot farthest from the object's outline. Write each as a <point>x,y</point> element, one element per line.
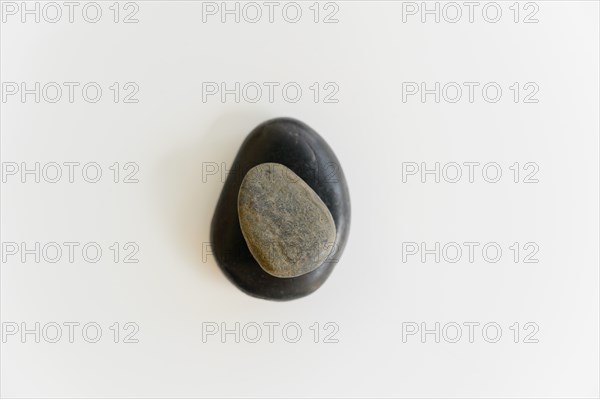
<point>171,133</point>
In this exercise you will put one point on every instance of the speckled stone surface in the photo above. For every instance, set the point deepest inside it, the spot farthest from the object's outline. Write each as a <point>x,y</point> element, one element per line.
<point>288,228</point>
<point>294,144</point>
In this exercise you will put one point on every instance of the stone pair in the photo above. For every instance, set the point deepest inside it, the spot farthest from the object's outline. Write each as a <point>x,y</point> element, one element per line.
<point>283,217</point>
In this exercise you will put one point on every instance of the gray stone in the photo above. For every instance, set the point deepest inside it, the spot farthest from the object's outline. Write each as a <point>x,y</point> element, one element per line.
<point>288,228</point>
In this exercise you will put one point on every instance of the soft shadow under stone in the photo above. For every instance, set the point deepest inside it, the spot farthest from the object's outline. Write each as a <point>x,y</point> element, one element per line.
<point>295,145</point>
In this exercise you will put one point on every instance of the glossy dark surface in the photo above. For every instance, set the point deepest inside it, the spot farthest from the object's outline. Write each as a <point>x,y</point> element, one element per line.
<point>294,144</point>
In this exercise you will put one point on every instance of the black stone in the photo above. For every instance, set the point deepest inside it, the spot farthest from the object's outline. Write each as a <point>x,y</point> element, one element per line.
<point>294,144</point>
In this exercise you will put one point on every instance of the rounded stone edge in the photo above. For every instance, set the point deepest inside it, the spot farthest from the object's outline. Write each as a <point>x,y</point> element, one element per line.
<point>345,229</point>
<point>256,256</point>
